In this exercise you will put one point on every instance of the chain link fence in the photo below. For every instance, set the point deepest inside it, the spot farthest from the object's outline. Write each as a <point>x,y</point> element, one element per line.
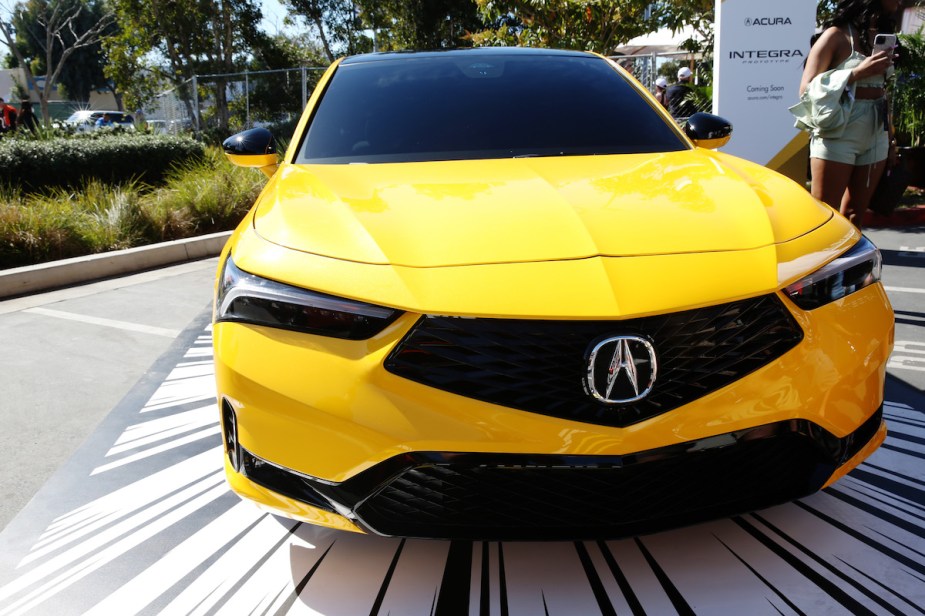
<point>648,67</point>
<point>222,104</point>
<point>219,105</point>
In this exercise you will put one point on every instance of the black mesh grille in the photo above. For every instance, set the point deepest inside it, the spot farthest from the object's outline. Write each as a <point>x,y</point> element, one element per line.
<point>539,366</point>
<point>481,497</point>
<point>542,496</point>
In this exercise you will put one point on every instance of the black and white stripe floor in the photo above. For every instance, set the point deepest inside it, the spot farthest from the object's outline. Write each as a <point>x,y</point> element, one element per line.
<point>140,521</point>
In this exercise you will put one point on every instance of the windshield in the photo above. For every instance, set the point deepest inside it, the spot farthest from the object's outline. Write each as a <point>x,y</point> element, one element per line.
<point>454,106</point>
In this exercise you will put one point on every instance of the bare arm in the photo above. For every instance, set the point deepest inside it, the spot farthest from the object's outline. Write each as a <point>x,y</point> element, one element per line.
<point>832,49</point>
<point>821,55</point>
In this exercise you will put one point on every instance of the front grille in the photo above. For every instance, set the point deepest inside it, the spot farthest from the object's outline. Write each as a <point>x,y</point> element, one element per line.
<point>540,366</point>
<point>455,495</point>
<point>486,496</point>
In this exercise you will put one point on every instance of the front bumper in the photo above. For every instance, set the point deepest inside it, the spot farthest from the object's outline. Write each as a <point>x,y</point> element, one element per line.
<point>540,497</point>
<point>320,417</point>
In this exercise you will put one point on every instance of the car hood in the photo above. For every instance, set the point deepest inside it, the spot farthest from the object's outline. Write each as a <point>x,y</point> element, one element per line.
<point>438,214</point>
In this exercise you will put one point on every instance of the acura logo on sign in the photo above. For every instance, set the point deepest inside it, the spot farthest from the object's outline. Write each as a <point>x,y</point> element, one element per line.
<point>621,369</point>
<point>767,21</point>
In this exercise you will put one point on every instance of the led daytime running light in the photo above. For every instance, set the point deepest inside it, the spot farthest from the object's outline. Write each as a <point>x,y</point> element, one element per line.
<point>247,298</point>
<point>856,269</point>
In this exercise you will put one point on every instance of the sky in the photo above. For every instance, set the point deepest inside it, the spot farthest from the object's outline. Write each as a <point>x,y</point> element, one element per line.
<point>273,15</point>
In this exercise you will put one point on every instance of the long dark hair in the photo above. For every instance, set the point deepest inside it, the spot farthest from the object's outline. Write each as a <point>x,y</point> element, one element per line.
<point>861,15</point>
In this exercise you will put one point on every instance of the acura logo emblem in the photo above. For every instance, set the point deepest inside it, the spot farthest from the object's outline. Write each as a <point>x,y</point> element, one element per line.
<point>621,370</point>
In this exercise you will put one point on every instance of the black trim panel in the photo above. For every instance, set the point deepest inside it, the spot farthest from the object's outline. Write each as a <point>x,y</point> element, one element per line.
<point>541,366</point>
<point>520,496</point>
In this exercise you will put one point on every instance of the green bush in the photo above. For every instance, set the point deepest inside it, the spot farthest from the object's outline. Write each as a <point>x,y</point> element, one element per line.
<point>199,197</point>
<point>908,92</point>
<point>43,165</point>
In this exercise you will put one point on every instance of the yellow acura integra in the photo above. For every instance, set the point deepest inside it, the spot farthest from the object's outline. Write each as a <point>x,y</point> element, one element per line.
<point>498,293</point>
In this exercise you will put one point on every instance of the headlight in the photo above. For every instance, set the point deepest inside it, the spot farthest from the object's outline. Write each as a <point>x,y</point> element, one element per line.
<point>858,268</point>
<point>246,298</point>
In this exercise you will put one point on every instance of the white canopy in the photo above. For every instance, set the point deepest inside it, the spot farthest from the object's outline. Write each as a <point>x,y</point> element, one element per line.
<point>661,41</point>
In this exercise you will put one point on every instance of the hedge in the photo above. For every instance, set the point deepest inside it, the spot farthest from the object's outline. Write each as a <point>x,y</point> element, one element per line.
<point>198,197</point>
<point>112,159</point>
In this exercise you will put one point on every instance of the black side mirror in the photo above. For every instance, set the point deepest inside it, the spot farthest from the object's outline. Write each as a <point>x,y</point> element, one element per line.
<point>252,148</point>
<point>253,142</point>
<point>708,131</point>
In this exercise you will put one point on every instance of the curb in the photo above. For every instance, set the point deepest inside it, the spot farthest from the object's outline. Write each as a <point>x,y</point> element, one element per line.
<point>904,217</point>
<point>67,272</point>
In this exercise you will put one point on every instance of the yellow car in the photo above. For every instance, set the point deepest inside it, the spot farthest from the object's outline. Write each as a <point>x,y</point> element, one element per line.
<point>500,294</point>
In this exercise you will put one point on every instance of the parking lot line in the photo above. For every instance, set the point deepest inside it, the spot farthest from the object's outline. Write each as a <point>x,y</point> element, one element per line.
<point>124,325</point>
<point>904,289</point>
<point>912,251</point>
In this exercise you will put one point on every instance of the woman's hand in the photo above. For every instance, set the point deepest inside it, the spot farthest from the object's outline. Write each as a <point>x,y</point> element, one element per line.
<point>892,157</point>
<point>875,64</point>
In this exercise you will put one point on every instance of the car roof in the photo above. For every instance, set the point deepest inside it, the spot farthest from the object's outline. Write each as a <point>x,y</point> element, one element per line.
<point>86,113</point>
<point>469,52</point>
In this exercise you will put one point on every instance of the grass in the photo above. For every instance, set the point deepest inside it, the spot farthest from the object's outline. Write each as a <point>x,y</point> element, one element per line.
<point>197,198</point>
<point>913,197</point>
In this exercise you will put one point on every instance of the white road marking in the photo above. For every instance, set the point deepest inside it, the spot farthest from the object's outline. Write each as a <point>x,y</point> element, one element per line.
<point>44,299</point>
<point>907,363</point>
<point>909,346</point>
<point>912,251</point>
<point>82,318</point>
<point>904,289</point>
<point>908,355</point>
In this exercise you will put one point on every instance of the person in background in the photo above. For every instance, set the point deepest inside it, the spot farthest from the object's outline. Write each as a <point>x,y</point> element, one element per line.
<point>9,115</point>
<point>141,122</point>
<point>104,121</point>
<point>679,102</point>
<point>27,117</point>
<point>847,160</point>
<point>661,95</point>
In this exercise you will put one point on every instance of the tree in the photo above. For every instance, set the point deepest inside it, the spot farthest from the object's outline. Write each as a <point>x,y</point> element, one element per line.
<point>592,25</point>
<point>273,97</point>
<point>824,11</point>
<point>421,24</point>
<point>356,26</point>
<point>173,40</point>
<point>334,22</point>
<point>84,70</point>
<point>49,33</point>
<point>677,15</point>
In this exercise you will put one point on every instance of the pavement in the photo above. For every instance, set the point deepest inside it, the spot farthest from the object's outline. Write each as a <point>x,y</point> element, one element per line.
<point>80,333</point>
<point>72,354</point>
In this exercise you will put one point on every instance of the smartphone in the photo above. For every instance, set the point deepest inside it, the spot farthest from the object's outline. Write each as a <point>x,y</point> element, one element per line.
<point>884,42</point>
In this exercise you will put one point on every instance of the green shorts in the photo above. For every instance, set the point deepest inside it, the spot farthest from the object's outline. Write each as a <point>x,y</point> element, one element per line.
<point>864,142</point>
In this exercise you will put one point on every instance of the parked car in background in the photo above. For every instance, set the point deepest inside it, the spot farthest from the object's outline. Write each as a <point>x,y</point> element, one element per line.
<point>86,120</point>
<point>167,127</point>
<point>158,127</point>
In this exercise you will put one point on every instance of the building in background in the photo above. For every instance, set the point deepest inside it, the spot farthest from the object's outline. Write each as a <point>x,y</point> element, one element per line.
<point>13,81</point>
